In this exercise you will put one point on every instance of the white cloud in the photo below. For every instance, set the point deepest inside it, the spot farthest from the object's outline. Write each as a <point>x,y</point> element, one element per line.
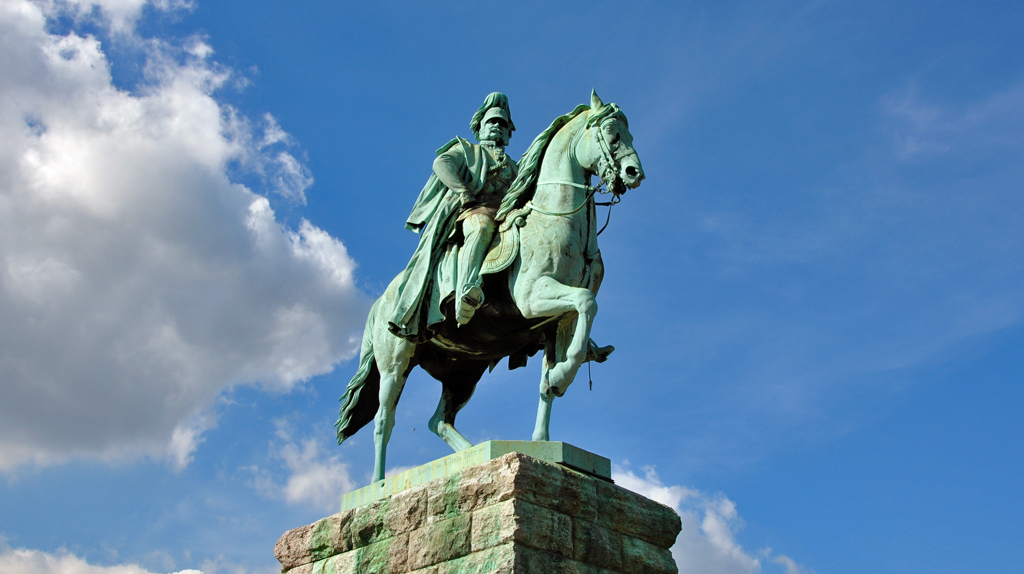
<point>120,16</point>
<point>707,542</point>
<point>220,565</point>
<point>790,566</point>
<point>313,480</point>
<point>185,438</point>
<point>24,561</point>
<point>137,280</point>
<point>396,470</point>
<point>316,481</point>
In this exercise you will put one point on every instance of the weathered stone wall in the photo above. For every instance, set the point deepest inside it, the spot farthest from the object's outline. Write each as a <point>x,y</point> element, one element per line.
<point>514,514</point>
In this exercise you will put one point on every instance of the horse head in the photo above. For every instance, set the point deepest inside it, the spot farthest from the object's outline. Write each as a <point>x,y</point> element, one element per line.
<point>606,148</point>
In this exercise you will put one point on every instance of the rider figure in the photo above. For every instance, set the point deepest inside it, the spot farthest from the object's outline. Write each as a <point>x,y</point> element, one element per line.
<point>459,202</point>
<point>478,208</point>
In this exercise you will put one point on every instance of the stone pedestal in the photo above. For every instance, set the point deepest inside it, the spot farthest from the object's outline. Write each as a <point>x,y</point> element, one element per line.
<point>512,514</point>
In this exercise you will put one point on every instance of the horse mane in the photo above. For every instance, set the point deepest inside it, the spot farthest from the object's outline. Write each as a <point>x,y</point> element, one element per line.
<point>529,165</point>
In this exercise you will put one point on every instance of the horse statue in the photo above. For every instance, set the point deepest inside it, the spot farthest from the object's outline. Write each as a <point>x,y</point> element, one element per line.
<point>541,276</point>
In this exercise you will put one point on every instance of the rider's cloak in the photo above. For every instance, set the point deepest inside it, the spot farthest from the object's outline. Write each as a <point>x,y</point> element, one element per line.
<point>431,275</point>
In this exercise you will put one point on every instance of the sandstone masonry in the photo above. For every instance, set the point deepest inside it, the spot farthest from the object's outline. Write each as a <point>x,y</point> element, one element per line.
<point>511,515</point>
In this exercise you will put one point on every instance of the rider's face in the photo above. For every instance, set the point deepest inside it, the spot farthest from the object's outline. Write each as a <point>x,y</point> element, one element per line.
<point>495,130</point>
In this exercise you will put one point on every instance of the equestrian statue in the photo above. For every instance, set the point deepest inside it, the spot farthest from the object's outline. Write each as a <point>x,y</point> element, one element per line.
<point>507,264</point>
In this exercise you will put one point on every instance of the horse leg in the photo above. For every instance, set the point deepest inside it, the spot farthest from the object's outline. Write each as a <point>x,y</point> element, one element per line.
<point>554,352</point>
<point>456,389</point>
<point>393,362</point>
<point>543,425</point>
<point>547,298</point>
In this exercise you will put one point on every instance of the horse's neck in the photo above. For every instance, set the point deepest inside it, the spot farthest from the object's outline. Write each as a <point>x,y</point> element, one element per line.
<point>560,166</point>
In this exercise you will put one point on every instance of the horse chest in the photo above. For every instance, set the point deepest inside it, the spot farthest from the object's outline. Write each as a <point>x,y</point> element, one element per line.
<point>557,248</point>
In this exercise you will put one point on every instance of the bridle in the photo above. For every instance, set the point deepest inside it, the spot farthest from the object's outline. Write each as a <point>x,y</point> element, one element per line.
<point>610,173</point>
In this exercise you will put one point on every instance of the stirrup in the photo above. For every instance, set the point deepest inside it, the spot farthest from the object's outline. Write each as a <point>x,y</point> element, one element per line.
<point>598,354</point>
<point>470,301</point>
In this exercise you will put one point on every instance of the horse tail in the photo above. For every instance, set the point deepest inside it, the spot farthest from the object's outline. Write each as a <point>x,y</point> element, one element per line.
<point>361,399</point>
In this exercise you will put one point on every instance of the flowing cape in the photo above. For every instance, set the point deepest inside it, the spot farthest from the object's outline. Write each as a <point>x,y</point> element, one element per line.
<point>431,273</point>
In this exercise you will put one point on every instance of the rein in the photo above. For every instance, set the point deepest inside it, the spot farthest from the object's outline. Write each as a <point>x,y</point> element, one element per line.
<point>590,189</point>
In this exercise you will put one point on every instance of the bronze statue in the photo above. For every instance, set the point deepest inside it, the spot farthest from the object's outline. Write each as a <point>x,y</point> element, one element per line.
<point>535,289</point>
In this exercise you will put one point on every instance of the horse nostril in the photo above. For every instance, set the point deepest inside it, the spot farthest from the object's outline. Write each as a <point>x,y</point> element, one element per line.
<point>631,171</point>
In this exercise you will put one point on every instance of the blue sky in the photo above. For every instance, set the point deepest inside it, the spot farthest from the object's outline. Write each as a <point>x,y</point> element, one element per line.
<point>815,295</point>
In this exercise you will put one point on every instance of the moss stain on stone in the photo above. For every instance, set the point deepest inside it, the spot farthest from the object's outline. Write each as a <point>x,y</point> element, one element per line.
<point>320,545</point>
<point>489,526</point>
<point>374,558</point>
<point>450,496</point>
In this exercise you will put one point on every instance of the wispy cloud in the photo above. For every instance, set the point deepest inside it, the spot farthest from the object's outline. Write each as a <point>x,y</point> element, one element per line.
<point>904,254</point>
<point>788,563</point>
<point>311,478</point>
<point>922,128</point>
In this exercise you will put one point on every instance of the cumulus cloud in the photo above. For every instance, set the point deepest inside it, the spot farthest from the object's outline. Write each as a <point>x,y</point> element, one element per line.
<point>313,479</point>
<point>24,561</point>
<point>707,542</point>
<point>137,279</point>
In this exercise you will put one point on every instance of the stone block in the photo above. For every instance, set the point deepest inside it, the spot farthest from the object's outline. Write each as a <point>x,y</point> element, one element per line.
<point>306,568</point>
<point>530,560</point>
<point>313,542</point>
<point>596,545</point>
<point>525,523</point>
<point>494,560</point>
<point>473,488</point>
<point>632,514</point>
<point>439,542</point>
<point>407,511</point>
<point>640,557</point>
<point>361,527</point>
<point>292,549</point>
<point>385,557</point>
<point>555,487</point>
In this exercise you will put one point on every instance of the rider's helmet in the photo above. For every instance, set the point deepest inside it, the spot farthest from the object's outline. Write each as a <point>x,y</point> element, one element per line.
<point>494,103</point>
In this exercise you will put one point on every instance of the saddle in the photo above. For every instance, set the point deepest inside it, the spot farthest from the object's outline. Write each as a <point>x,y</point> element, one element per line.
<point>505,245</point>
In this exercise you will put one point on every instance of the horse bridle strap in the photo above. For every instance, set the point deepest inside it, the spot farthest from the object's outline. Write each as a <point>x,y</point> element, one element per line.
<point>612,166</point>
<point>590,189</point>
<point>611,172</point>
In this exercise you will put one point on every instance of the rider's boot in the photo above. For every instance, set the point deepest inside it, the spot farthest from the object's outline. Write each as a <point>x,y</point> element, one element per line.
<point>598,354</point>
<point>477,229</point>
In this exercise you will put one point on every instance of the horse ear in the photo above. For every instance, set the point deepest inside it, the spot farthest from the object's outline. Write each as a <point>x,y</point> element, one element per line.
<point>595,101</point>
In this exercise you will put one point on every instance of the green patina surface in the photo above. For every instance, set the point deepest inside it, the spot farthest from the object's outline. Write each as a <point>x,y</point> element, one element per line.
<point>475,193</point>
<point>320,543</point>
<point>550,451</point>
